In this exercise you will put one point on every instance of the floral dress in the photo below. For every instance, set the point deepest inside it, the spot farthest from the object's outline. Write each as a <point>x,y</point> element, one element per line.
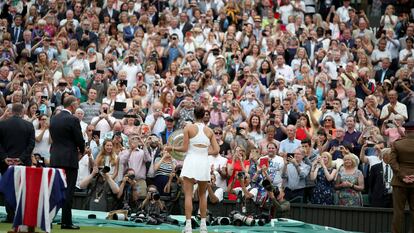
<point>323,192</point>
<point>349,196</point>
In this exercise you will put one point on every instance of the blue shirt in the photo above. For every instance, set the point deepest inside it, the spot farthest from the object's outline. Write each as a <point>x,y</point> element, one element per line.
<point>288,146</point>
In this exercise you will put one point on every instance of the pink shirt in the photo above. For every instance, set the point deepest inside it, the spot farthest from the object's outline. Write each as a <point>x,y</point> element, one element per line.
<point>136,161</point>
<point>393,134</point>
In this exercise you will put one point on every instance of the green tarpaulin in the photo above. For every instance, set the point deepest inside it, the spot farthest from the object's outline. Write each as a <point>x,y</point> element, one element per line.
<point>80,217</point>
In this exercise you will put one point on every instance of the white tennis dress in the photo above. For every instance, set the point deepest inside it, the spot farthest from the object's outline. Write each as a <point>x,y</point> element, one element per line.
<point>196,164</point>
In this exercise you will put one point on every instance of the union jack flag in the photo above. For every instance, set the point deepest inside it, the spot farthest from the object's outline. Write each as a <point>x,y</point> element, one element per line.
<point>36,194</point>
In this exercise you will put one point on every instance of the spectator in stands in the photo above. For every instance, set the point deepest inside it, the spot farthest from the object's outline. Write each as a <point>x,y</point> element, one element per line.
<point>108,158</point>
<point>235,165</point>
<point>349,183</point>
<point>135,157</point>
<point>90,107</point>
<point>295,172</point>
<point>323,173</point>
<point>290,144</point>
<point>43,139</point>
<point>163,167</point>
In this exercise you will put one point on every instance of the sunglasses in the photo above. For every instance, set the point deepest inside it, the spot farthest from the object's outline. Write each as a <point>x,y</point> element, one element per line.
<point>328,119</point>
<point>218,133</point>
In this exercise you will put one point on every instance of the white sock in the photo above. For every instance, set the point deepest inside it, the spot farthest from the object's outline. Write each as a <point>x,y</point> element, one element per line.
<point>203,222</point>
<point>188,223</point>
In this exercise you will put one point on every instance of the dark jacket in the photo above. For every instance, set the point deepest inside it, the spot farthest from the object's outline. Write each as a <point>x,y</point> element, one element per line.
<point>67,140</point>
<point>377,193</point>
<point>388,74</point>
<point>104,12</point>
<point>17,139</point>
<point>93,38</point>
<point>163,135</point>
<point>402,161</point>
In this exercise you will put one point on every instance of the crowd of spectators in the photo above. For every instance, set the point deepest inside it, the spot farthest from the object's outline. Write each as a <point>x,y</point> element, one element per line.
<point>303,94</point>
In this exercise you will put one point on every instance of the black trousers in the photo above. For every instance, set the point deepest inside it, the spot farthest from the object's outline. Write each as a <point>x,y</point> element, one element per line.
<point>71,176</point>
<point>294,195</point>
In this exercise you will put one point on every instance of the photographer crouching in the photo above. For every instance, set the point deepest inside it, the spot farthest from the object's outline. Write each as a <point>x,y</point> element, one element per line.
<point>128,194</point>
<point>152,205</point>
<point>102,189</point>
<point>275,201</point>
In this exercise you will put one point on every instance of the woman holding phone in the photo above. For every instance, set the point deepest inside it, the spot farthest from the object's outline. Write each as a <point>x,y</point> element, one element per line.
<point>198,142</point>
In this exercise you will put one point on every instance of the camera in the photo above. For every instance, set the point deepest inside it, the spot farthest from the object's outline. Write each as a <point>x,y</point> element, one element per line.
<point>359,80</point>
<point>155,196</point>
<point>223,221</point>
<point>104,170</point>
<point>131,59</point>
<point>270,188</point>
<point>240,219</point>
<point>241,175</point>
<point>131,177</point>
<point>215,52</point>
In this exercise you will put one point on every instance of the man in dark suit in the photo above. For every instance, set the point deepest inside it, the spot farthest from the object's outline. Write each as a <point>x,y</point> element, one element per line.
<point>185,25</point>
<point>17,140</point>
<point>130,30</point>
<point>384,73</point>
<point>67,145</point>
<point>379,182</point>
<point>85,36</point>
<point>109,11</point>
<point>290,116</point>
<point>312,45</point>
<point>16,31</point>
<point>26,43</point>
<point>402,164</point>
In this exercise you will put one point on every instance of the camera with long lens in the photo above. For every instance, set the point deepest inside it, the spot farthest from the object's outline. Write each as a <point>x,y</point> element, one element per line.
<point>270,188</point>
<point>241,219</point>
<point>241,175</point>
<point>222,221</point>
<point>155,196</point>
<point>263,219</point>
<point>103,170</point>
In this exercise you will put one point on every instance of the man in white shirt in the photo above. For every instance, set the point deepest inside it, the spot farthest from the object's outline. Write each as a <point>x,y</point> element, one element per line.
<point>156,119</point>
<point>276,164</point>
<point>283,69</point>
<point>104,121</point>
<point>218,164</point>
<point>343,11</point>
<point>281,91</point>
<point>393,108</point>
<point>290,144</point>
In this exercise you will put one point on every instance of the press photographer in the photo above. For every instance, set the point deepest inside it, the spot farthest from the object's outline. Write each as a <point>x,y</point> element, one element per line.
<point>275,201</point>
<point>152,205</point>
<point>102,189</point>
<point>128,195</point>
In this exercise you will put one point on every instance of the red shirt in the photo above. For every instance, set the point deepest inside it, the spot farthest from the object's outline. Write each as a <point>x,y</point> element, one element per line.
<point>236,168</point>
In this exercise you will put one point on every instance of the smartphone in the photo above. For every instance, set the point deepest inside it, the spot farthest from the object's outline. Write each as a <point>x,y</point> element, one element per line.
<point>37,112</point>
<point>123,82</point>
<point>96,133</point>
<point>330,131</point>
<point>334,84</point>
<point>264,162</point>
<point>43,97</point>
<point>290,155</point>
<point>215,105</point>
<point>105,111</point>
<point>329,107</point>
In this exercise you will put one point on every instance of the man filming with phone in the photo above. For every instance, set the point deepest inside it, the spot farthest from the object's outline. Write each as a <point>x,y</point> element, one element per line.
<point>295,173</point>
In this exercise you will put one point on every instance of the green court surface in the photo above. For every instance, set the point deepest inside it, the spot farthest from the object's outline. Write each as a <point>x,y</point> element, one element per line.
<point>101,225</point>
<point>92,229</point>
